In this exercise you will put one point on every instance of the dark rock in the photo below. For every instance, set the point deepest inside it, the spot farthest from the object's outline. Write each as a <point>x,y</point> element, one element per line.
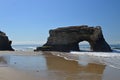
<point>68,38</point>
<point>5,43</point>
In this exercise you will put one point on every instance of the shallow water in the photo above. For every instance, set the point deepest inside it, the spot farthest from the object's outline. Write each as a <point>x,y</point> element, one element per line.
<point>46,66</point>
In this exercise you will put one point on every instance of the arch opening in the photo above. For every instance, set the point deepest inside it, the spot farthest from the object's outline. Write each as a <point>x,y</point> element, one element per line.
<point>85,46</point>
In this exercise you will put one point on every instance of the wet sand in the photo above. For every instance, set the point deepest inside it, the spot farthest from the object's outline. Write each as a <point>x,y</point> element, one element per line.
<point>20,65</point>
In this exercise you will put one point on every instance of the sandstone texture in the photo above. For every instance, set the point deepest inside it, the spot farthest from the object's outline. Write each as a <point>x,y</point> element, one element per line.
<point>68,38</point>
<point>5,43</point>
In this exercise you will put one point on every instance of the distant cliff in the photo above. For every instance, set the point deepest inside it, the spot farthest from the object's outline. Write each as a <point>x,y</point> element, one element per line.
<point>5,43</point>
<point>68,38</point>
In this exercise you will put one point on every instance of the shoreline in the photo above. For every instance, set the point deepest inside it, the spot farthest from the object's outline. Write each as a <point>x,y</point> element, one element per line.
<point>29,65</point>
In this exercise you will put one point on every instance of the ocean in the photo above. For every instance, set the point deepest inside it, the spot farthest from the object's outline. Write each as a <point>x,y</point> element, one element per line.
<point>31,47</point>
<point>25,47</point>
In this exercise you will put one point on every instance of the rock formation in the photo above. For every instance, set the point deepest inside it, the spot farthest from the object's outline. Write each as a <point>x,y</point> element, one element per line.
<point>5,44</point>
<point>68,38</point>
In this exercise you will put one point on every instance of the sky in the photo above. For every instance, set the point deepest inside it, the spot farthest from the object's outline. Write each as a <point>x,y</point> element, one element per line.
<point>29,21</point>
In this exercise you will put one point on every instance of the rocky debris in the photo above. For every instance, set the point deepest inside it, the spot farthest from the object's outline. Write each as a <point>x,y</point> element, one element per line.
<point>5,43</point>
<point>67,39</point>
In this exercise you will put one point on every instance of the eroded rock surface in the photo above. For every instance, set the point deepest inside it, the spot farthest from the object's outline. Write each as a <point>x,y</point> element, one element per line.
<point>5,43</point>
<point>68,38</point>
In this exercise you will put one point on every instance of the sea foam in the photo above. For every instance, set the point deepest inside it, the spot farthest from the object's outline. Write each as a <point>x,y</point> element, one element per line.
<point>111,59</point>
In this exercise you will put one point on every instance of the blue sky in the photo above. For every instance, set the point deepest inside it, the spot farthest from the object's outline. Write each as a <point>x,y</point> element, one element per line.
<point>28,21</point>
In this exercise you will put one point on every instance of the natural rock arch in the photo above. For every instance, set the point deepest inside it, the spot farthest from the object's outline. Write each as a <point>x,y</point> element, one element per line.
<point>67,39</point>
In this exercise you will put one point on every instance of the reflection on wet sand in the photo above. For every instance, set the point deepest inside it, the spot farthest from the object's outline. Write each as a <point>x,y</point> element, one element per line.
<point>71,70</point>
<point>47,67</point>
<point>93,68</point>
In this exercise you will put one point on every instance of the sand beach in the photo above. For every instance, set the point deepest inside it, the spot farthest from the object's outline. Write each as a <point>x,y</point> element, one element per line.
<point>29,65</point>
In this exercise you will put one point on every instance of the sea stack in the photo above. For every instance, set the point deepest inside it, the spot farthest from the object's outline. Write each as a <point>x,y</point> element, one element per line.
<point>5,43</point>
<point>67,39</point>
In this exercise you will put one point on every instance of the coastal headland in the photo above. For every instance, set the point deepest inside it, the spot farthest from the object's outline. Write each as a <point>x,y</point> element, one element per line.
<point>5,43</point>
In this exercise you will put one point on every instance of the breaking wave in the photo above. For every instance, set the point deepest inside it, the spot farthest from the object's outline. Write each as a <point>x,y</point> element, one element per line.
<point>111,59</point>
<point>25,47</point>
